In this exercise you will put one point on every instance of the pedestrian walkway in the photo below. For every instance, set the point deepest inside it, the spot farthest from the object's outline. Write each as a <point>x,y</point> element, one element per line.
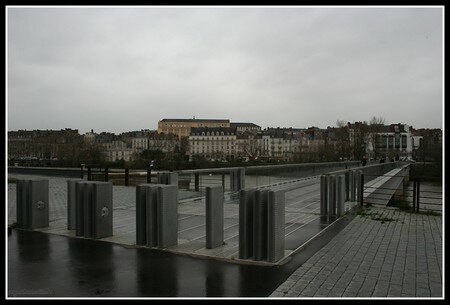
<point>383,252</point>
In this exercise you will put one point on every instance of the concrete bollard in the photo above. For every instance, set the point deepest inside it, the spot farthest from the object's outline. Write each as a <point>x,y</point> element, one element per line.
<point>32,204</point>
<point>214,217</point>
<point>340,195</point>
<point>246,198</point>
<point>71,203</point>
<point>332,196</point>
<point>276,225</point>
<point>93,209</point>
<point>260,225</point>
<point>157,215</point>
<point>324,195</point>
<point>167,208</point>
<point>167,178</point>
<point>80,198</point>
<point>352,177</point>
<point>141,194</point>
<point>151,215</point>
<point>102,208</point>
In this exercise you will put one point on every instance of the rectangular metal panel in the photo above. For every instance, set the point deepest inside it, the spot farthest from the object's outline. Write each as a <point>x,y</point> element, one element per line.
<point>162,178</point>
<point>38,204</point>
<point>241,178</point>
<point>214,217</point>
<point>331,195</point>
<point>167,216</point>
<point>340,195</point>
<point>102,218</point>
<point>276,225</point>
<point>246,198</point>
<point>88,210</point>
<point>141,214</point>
<point>260,225</point>
<point>352,178</point>
<point>71,204</point>
<point>22,194</point>
<point>79,206</point>
<point>172,179</point>
<point>323,195</point>
<point>151,218</point>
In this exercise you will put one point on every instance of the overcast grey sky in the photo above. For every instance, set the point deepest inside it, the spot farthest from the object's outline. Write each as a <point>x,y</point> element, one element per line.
<point>120,69</point>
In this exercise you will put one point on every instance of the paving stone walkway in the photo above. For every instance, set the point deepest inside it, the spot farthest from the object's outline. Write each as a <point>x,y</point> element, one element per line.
<point>383,252</point>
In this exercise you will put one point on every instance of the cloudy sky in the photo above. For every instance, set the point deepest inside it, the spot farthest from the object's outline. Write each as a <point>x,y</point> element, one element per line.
<point>125,68</point>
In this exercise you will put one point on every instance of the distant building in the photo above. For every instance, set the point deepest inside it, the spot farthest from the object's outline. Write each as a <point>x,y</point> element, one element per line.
<point>245,127</point>
<point>42,144</point>
<point>394,141</point>
<point>182,127</point>
<point>118,150</point>
<point>213,143</point>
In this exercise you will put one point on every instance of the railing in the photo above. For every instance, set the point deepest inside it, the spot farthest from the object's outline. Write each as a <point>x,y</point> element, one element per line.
<point>195,181</point>
<point>412,195</point>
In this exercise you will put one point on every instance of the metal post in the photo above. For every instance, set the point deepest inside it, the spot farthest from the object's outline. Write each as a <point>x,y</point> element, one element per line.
<point>196,182</point>
<point>418,194</point>
<point>82,171</point>
<point>414,195</point>
<point>275,225</point>
<point>260,225</point>
<point>361,190</point>
<point>106,174</point>
<point>223,181</point>
<point>149,175</point>
<point>127,173</point>
<point>89,173</point>
<point>246,199</point>
<point>340,195</point>
<point>214,217</point>
<point>323,195</point>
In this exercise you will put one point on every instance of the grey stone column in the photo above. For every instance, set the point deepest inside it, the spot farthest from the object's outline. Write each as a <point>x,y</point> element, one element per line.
<point>32,204</point>
<point>340,195</point>
<point>71,203</point>
<point>167,208</point>
<point>324,195</point>
<point>246,198</point>
<point>276,225</point>
<point>214,217</point>
<point>260,225</point>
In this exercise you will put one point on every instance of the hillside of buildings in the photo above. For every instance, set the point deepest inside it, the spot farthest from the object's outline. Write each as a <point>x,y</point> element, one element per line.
<point>201,143</point>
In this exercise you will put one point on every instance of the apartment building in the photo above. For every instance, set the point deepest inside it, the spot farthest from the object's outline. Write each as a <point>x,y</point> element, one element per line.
<point>213,143</point>
<point>182,127</point>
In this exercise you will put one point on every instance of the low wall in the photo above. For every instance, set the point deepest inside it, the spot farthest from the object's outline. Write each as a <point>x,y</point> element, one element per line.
<point>70,172</point>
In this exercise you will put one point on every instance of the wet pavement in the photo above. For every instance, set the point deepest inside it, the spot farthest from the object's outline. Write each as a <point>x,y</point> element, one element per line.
<point>47,265</point>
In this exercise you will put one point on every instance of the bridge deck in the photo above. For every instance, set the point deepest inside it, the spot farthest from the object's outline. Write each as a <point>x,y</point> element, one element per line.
<point>303,220</point>
<point>381,189</point>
